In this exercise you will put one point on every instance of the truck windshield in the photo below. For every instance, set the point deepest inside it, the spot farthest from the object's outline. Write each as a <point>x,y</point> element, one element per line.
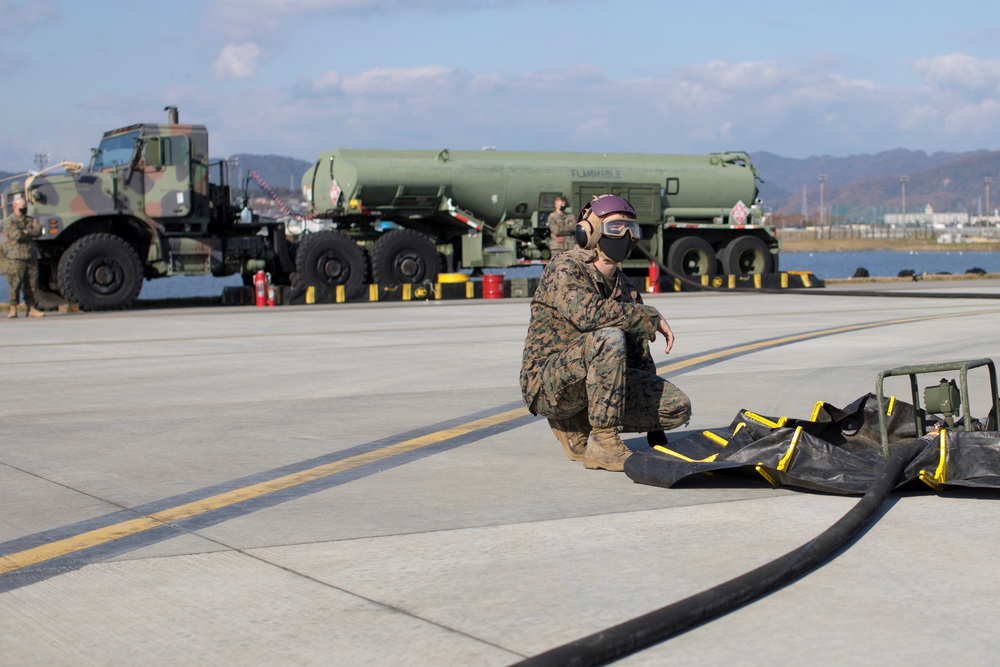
<point>114,151</point>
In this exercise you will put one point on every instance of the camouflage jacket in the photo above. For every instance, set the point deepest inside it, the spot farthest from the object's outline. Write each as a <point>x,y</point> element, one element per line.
<point>573,298</point>
<point>561,228</point>
<point>20,232</point>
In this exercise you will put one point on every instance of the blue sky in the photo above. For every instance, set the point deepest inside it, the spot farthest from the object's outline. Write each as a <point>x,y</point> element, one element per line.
<point>297,77</point>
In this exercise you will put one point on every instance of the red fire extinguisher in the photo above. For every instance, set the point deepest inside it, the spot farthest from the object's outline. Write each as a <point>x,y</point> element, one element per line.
<point>654,278</point>
<point>260,288</point>
<point>270,291</point>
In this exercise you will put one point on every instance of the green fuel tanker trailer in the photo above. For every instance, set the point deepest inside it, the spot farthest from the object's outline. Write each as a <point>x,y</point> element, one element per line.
<point>418,212</point>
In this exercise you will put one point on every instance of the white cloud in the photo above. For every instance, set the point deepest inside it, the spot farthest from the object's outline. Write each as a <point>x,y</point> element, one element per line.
<point>401,82</point>
<point>811,109</point>
<point>237,61</point>
<point>958,70</point>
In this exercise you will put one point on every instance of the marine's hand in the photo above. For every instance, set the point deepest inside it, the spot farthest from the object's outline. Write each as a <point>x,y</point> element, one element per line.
<point>664,329</point>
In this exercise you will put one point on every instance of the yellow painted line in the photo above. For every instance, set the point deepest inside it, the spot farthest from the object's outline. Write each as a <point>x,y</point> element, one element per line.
<point>100,536</point>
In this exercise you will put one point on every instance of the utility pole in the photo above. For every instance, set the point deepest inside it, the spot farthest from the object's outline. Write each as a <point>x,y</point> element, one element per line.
<point>989,212</point>
<point>902,181</point>
<point>822,209</point>
<point>41,159</point>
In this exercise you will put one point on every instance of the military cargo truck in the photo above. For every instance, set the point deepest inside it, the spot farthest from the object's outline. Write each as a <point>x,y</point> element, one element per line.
<point>152,205</point>
<point>146,208</point>
<point>418,212</point>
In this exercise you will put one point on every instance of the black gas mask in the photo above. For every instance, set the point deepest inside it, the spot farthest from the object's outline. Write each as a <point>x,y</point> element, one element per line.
<point>618,237</point>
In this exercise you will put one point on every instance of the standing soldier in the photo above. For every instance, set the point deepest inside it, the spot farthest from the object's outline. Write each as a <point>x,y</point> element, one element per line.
<point>561,225</point>
<point>586,363</point>
<point>22,261</point>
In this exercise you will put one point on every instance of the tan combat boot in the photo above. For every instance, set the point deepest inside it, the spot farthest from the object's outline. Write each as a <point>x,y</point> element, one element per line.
<point>572,433</point>
<point>605,450</point>
<point>34,312</point>
<point>12,313</point>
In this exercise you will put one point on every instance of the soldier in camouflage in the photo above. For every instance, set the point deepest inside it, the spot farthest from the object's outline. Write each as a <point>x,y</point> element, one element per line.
<point>20,231</point>
<point>561,226</point>
<point>586,364</point>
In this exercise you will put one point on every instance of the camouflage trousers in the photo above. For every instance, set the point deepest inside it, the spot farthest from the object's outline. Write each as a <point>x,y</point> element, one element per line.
<point>591,374</point>
<point>22,276</point>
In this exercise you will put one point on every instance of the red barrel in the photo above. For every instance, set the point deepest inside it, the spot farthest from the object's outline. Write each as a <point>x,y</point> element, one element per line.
<point>493,286</point>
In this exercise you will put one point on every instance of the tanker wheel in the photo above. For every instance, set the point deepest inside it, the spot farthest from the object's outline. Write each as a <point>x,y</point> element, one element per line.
<point>404,256</point>
<point>745,255</point>
<point>691,257</point>
<point>326,260</point>
<point>100,272</point>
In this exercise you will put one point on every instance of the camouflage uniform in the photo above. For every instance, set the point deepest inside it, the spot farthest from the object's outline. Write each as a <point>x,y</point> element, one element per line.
<point>588,349</point>
<point>561,226</point>
<point>22,263</point>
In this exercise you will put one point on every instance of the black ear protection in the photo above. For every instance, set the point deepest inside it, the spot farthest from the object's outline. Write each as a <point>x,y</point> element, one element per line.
<point>584,233</point>
<point>584,230</point>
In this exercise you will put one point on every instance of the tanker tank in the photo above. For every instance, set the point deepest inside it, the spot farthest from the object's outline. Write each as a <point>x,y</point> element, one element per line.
<point>452,210</point>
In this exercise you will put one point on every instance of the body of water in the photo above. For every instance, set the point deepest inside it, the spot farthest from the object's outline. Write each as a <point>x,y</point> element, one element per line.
<point>887,263</point>
<point>826,265</point>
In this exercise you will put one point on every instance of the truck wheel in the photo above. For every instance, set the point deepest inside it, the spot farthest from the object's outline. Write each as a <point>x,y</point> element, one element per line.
<point>404,256</point>
<point>691,257</point>
<point>327,259</point>
<point>745,255</point>
<point>100,272</point>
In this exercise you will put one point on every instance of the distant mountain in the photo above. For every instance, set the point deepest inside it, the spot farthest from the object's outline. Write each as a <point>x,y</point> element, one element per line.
<point>859,187</point>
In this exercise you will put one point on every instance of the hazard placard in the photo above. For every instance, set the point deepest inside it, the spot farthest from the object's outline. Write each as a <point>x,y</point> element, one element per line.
<point>739,213</point>
<point>334,192</point>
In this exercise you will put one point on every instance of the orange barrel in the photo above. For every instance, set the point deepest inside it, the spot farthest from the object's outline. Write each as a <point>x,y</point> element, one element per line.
<point>493,286</point>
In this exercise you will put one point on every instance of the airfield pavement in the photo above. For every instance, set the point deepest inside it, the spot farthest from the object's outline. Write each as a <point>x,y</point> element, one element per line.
<point>360,484</point>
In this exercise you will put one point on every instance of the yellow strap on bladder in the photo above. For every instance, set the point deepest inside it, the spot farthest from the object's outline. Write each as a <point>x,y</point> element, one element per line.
<point>682,457</point>
<point>738,427</point>
<point>892,402</point>
<point>763,473</point>
<point>719,440</point>
<point>787,458</point>
<point>937,480</point>
<point>929,481</point>
<point>816,409</point>
<point>764,420</point>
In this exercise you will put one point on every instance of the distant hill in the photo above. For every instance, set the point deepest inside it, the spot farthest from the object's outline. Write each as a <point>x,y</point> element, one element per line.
<point>860,187</point>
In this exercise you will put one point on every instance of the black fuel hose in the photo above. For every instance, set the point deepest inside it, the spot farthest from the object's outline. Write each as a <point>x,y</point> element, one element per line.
<point>618,641</point>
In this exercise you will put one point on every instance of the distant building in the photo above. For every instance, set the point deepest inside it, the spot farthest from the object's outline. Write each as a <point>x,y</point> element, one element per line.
<point>928,218</point>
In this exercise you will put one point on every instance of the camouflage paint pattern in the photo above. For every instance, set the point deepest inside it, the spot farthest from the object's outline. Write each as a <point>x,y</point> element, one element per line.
<point>158,191</point>
<point>22,267</point>
<point>22,277</point>
<point>587,348</point>
<point>561,231</point>
<point>20,232</point>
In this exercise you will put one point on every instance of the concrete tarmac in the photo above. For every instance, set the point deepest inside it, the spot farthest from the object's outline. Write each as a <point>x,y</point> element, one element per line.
<point>361,484</point>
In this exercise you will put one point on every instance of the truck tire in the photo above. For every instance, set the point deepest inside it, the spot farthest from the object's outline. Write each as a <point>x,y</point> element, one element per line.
<point>745,255</point>
<point>691,257</point>
<point>404,256</point>
<point>325,260</point>
<point>100,272</point>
